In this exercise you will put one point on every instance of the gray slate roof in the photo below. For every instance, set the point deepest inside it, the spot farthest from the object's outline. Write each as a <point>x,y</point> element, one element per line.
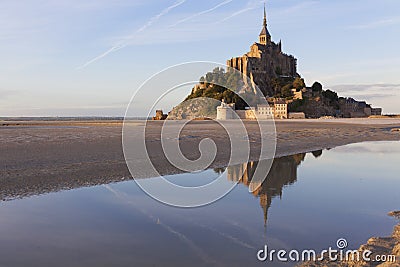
<point>265,31</point>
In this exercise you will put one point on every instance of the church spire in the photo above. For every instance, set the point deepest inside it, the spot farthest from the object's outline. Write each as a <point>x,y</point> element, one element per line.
<point>265,17</point>
<point>265,37</point>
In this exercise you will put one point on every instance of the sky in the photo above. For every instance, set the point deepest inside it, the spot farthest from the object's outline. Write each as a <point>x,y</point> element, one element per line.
<point>87,58</point>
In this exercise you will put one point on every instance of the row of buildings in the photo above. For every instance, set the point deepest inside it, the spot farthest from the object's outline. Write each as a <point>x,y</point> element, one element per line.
<point>278,109</point>
<point>351,108</point>
<point>348,107</point>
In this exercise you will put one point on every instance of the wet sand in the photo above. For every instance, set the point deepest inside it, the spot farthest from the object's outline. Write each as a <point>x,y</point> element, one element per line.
<point>42,157</point>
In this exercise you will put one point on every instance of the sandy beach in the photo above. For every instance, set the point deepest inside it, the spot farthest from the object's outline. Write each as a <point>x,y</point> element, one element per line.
<point>42,157</point>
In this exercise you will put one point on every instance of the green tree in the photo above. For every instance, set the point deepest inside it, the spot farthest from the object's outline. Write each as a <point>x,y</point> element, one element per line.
<point>209,77</point>
<point>219,85</point>
<point>316,87</point>
<point>297,105</point>
<point>331,95</point>
<point>298,83</point>
<point>286,90</point>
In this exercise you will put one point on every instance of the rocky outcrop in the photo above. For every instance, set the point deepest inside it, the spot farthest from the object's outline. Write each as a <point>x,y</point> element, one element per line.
<point>194,109</point>
<point>377,245</point>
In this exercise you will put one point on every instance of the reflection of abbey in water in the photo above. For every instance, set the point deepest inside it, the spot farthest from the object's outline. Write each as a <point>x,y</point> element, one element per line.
<point>283,172</point>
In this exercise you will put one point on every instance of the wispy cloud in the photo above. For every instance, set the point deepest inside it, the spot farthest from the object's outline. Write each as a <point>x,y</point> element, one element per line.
<point>182,237</point>
<point>157,17</point>
<point>377,24</point>
<point>112,49</point>
<point>285,11</point>
<point>236,14</point>
<point>201,13</point>
<point>298,8</point>
<point>4,93</point>
<point>125,43</point>
<point>364,87</point>
<point>250,6</point>
<point>368,91</point>
<point>381,148</point>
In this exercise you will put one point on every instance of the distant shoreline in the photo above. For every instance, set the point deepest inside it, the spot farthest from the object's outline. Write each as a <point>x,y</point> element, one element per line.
<point>83,119</point>
<point>79,118</point>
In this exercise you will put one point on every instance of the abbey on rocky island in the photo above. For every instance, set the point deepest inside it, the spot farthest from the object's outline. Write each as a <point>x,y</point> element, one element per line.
<point>265,61</point>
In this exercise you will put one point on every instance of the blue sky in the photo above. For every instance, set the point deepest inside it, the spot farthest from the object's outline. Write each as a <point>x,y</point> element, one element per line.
<point>70,57</point>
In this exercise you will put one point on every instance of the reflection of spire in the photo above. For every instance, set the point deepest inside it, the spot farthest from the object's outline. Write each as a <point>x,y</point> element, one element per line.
<point>283,172</point>
<point>265,206</point>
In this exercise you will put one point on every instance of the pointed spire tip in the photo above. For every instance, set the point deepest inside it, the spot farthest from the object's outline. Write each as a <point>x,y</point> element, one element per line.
<point>265,15</point>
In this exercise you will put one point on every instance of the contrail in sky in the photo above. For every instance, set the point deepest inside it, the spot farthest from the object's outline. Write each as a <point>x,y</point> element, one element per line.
<point>250,7</point>
<point>237,13</point>
<point>183,238</point>
<point>144,27</point>
<point>164,12</point>
<point>201,13</point>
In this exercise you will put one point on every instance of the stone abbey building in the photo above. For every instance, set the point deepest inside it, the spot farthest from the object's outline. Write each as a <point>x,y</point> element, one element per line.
<point>265,61</point>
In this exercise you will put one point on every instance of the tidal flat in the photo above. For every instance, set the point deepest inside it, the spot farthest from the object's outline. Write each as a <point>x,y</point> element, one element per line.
<point>42,157</point>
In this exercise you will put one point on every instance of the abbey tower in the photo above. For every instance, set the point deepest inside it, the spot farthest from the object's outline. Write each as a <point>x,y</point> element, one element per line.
<point>265,61</point>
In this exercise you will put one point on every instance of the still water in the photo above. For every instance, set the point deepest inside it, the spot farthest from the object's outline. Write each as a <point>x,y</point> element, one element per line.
<point>307,202</point>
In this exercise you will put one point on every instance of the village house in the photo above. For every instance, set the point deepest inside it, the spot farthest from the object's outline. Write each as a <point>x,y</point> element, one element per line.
<point>276,110</point>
